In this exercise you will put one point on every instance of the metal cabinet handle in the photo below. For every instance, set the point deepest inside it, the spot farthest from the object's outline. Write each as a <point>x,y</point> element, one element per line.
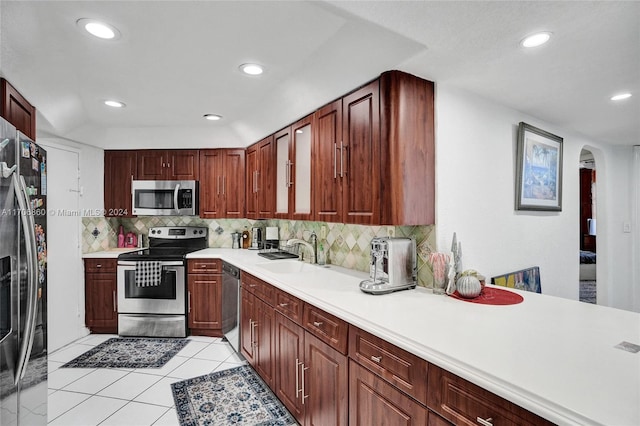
<point>290,179</point>
<point>318,323</point>
<point>335,160</point>
<point>298,363</point>
<point>253,285</point>
<point>99,265</point>
<point>283,305</point>
<point>189,301</point>
<point>253,334</point>
<point>485,422</point>
<point>115,306</point>
<point>376,358</point>
<point>302,387</point>
<point>341,159</point>
<point>224,184</point>
<point>257,180</point>
<point>218,182</point>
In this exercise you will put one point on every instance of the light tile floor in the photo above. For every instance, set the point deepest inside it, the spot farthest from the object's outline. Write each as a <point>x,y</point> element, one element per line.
<point>127,396</point>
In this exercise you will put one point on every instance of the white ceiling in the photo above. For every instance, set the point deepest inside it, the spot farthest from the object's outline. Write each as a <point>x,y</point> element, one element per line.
<point>178,60</point>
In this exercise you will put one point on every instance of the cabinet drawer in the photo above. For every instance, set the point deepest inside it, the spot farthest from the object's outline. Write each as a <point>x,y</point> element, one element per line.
<point>289,306</point>
<point>397,366</point>
<point>205,265</point>
<point>462,402</point>
<point>328,328</point>
<point>261,289</point>
<point>100,266</point>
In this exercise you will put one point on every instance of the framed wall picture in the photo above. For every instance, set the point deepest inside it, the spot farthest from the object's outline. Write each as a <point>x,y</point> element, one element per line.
<point>538,170</point>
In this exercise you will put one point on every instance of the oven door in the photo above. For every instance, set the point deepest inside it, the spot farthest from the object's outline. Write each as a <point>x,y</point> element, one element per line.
<point>168,297</point>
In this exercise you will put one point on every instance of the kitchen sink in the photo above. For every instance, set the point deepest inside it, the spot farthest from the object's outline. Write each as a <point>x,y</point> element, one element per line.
<point>286,266</point>
<point>278,255</point>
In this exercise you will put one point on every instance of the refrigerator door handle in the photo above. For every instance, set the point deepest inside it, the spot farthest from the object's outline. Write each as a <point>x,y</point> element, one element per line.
<point>28,227</point>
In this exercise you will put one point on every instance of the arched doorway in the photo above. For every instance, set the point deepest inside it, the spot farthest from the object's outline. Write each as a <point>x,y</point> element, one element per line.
<point>588,227</point>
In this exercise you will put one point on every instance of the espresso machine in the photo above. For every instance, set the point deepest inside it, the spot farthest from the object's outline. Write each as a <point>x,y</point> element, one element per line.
<point>393,266</point>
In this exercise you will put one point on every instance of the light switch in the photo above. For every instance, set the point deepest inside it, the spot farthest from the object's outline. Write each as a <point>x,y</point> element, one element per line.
<point>626,227</point>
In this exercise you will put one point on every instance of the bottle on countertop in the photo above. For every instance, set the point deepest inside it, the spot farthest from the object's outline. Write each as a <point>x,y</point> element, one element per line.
<point>121,237</point>
<point>246,238</point>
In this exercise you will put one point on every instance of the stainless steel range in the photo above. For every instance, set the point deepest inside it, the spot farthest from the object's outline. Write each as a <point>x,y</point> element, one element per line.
<point>152,283</point>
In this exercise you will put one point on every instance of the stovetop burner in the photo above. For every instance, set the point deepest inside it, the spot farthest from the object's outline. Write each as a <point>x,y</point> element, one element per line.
<point>170,244</point>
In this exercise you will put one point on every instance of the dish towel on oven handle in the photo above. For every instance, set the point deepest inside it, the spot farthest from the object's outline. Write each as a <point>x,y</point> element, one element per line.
<point>148,273</point>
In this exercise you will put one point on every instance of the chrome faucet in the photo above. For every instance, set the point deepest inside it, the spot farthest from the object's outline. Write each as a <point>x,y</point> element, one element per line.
<point>312,246</point>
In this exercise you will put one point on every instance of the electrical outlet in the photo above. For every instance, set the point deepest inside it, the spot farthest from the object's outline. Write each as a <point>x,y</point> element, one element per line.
<point>626,227</point>
<point>323,232</point>
<point>391,231</point>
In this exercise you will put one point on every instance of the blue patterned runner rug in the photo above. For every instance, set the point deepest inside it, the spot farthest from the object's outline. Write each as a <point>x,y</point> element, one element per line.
<point>237,396</point>
<point>129,352</point>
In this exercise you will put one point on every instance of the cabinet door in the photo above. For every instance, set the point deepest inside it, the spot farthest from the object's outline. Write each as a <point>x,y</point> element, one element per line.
<point>360,153</point>
<point>17,110</point>
<point>182,164</point>
<point>152,164</point>
<point>266,178</point>
<point>211,172</point>
<point>251,182</point>
<point>119,172</point>
<point>233,183</point>
<point>300,200</point>
<point>283,169</point>
<point>327,185</point>
<point>289,340</point>
<point>372,401</point>
<point>247,318</point>
<point>325,383</point>
<point>263,335</point>
<point>205,301</point>
<point>101,313</point>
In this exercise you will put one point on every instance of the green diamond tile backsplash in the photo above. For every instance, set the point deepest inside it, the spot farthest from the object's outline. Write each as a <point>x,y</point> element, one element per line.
<point>348,245</point>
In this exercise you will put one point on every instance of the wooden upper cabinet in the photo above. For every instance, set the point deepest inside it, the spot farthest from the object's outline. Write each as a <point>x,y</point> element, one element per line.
<point>222,174</point>
<point>293,147</point>
<point>374,154</point>
<point>119,172</point>
<point>17,110</point>
<point>359,155</point>
<point>179,164</point>
<point>261,179</point>
<point>407,135</point>
<point>327,186</point>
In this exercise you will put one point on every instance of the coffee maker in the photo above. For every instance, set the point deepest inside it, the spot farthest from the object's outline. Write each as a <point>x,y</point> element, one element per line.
<point>393,266</point>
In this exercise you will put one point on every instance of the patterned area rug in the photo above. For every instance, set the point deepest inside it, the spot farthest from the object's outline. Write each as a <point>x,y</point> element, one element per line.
<point>237,396</point>
<point>129,352</point>
<point>588,291</point>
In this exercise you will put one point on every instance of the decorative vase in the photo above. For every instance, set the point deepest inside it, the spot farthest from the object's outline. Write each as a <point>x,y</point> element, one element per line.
<point>468,286</point>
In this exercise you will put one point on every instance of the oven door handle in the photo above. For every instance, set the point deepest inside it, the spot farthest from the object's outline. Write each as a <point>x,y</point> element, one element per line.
<point>131,264</point>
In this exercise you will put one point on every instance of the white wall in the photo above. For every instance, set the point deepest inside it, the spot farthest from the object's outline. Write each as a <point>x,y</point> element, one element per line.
<point>475,175</point>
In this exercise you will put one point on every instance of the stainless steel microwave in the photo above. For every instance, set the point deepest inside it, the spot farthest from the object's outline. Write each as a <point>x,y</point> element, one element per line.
<point>165,197</point>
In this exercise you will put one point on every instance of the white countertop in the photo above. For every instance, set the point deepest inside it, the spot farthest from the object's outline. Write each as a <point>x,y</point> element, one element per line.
<point>109,254</point>
<point>553,356</point>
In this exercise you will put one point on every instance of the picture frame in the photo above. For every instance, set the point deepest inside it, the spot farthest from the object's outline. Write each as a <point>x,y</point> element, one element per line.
<point>538,169</point>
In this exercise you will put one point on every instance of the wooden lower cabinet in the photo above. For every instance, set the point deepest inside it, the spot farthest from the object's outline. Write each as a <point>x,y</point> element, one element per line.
<point>204,297</point>
<point>311,377</point>
<point>373,401</point>
<point>462,402</point>
<point>257,325</point>
<point>101,309</point>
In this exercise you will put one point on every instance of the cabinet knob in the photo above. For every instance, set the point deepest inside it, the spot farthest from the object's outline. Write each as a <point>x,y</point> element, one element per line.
<point>376,358</point>
<point>485,422</point>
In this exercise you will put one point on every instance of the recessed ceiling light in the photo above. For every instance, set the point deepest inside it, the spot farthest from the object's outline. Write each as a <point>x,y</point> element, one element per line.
<point>621,96</point>
<point>114,104</point>
<point>535,40</point>
<point>251,69</point>
<point>99,29</point>
<point>212,117</point>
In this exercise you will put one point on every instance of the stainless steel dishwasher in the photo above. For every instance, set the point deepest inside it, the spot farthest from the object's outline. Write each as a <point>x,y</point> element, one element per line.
<point>231,305</point>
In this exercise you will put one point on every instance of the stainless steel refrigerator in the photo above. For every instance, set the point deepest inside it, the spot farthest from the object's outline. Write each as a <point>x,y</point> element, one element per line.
<point>23,279</point>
